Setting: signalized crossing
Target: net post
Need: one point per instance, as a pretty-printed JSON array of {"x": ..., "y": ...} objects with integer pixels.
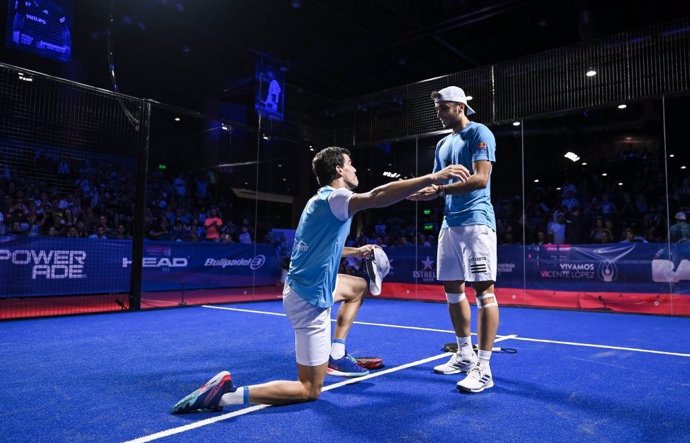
[{"x": 139, "y": 208}]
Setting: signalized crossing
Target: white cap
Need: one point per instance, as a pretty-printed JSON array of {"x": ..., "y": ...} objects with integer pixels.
[
  {"x": 378, "y": 268},
  {"x": 453, "y": 94},
  {"x": 681, "y": 216}
]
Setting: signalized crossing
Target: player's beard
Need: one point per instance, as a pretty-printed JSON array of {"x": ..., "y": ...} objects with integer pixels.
[{"x": 450, "y": 123}]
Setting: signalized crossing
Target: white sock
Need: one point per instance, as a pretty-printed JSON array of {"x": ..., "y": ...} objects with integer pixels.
[
  {"x": 484, "y": 357},
  {"x": 239, "y": 397},
  {"x": 464, "y": 346},
  {"x": 338, "y": 349}
]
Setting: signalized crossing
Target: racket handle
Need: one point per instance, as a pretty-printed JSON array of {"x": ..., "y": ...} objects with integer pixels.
[{"x": 494, "y": 349}]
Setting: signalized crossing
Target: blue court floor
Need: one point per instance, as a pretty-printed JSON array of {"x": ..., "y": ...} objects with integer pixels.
[{"x": 576, "y": 377}]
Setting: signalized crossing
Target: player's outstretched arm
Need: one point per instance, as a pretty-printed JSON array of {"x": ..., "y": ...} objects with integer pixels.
[
  {"x": 393, "y": 192},
  {"x": 478, "y": 180},
  {"x": 424, "y": 194}
]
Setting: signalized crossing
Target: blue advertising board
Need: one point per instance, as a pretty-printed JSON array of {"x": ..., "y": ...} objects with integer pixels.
[
  {"x": 617, "y": 267},
  {"x": 42, "y": 266}
]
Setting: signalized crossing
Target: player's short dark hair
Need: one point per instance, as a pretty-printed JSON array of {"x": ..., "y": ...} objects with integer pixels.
[{"x": 325, "y": 162}]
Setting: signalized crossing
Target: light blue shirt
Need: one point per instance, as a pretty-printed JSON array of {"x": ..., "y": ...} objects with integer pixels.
[
  {"x": 475, "y": 142},
  {"x": 319, "y": 240}
]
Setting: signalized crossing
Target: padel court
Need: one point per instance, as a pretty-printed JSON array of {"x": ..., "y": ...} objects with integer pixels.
[{"x": 576, "y": 377}]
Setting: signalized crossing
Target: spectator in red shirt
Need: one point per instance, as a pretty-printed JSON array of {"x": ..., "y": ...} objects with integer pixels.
[{"x": 212, "y": 225}]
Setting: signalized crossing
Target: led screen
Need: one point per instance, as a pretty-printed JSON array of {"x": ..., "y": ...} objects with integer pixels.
[
  {"x": 270, "y": 91},
  {"x": 41, "y": 27}
]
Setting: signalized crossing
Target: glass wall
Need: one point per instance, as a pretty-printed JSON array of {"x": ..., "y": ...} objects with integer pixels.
[
  {"x": 594, "y": 183},
  {"x": 209, "y": 210},
  {"x": 677, "y": 162},
  {"x": 585, "y": 203},
  {"x": 283, "y": 182},
  {"x": 591, "y": 206}
]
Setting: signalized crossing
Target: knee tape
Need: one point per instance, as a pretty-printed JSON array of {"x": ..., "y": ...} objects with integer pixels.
[
  {"x": 481, "y": 305},
  {"x": 455, "y": 298}
]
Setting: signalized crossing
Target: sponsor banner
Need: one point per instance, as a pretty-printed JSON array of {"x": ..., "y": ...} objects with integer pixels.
[
  {"x": 617, "y": 267},
  {"x": 405, "y": 268},
  {"x": 39, "y": 266}
]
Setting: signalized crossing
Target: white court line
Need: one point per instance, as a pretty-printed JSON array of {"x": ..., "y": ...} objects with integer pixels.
[
  {"x": 209, "y": 421},
  {"x": 590, "y": 345},
  {"x": 333, "y": 320},
  {"x": 398, "y": 368},
  {"x": 498, "y": 337},
  {"x": 251, "y": 311},
  {"x": 196, "y": 424}
]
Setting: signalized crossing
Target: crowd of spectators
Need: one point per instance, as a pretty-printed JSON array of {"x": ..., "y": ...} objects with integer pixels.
[
  {"x": 592, "y": 211},
  {"x": 94, "y": 199},
  {"x": 67, "y": 197}
]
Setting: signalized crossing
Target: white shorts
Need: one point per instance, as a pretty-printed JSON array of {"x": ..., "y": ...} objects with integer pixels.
[
  {"x": 312, "y": 328},
  {"x": 466, "y": 253}
]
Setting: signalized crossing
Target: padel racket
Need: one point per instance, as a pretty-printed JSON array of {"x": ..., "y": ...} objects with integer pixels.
[
  {"x": 453, "y": 347},
  {"x": 369, "y": 362}
]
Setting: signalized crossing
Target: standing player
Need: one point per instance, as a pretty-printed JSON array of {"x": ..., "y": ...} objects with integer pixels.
[
  {"x": 467, "y": 240},
  {"x": 313, "y": 283}
]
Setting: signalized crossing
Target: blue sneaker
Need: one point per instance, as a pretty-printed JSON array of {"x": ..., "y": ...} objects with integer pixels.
[
  {"x": 345, "y": 367},
  {"x": 206, "y": 397}
]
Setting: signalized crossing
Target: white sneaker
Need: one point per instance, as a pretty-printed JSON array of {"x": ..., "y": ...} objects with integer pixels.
[
  {"x": 477, "y": 380},
  {"x": 457, "y": 364}
]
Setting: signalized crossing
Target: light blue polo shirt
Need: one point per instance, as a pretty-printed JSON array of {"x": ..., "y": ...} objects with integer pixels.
[
  {"x": 474, "y": 142},
  {"x": 319, "y": 240}
]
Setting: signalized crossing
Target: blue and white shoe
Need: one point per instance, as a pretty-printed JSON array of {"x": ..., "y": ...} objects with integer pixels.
[
  {"x": 206, "y": 397},
  {"x": 457, "y": 364},
  {"x": 478, "y": 379},
  {"x": 345, "y": 367}
]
